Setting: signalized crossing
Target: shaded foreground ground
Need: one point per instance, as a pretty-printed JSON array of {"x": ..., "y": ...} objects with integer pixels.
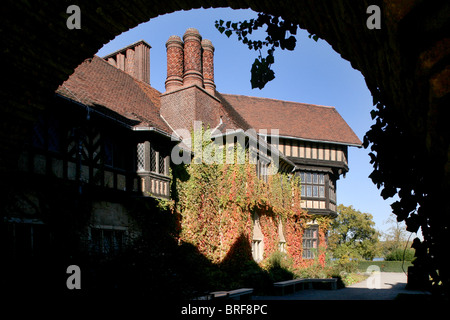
[{"x": 379, "y": 286}]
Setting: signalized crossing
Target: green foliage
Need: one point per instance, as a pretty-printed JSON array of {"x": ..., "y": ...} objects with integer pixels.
[
  {"x": 314, "y": 270},
  {"x": 279, "y": 267},
  {"x": 385, "y": 266},
  {"x": 353, "y": 235},
  {"x": 400, "y": 255}
]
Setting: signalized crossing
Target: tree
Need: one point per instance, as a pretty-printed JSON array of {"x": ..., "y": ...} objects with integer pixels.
[
  {"x": 353, "y": 235},
  {"x": 395, "y": 243}
]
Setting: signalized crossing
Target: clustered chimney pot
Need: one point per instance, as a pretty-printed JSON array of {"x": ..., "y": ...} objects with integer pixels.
[
  {"x": 208, "y": 66},
  {"x": 190, "y": 62},
  {"x": 133, "y": 59},
  {"x": 174, "y": 63},
  {"x": 192, "y": 58}
]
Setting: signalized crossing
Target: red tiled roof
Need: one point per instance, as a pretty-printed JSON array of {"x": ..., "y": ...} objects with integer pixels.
[
  {"x": 98, "y": 84},
  {"x": 293, "y": 119}
]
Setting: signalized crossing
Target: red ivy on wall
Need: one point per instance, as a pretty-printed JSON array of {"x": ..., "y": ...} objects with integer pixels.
[{"x": 218, "y": 201}]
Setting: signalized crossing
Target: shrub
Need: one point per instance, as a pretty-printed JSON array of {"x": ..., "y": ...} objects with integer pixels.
[
  {"x": 279, "y": 267},
  {"x": 400, "y": 255}
]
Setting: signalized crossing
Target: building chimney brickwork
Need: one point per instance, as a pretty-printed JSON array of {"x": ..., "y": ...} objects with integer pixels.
[
  {"x": 192, "y": 58},
  {"x": 208, "y": 66},
  {"x": 190, "y": 88},
  {"x": 190, "y": 62},
  {"x": 175, "y": 58},
  {"x": 134, "y": 60}
]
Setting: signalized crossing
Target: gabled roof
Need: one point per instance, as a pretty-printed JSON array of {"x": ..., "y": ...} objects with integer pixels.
[
  {"x": 97, "y": 84},
  {"x": 293, "y": 119}
]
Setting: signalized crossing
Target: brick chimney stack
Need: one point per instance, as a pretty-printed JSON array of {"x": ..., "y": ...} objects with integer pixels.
[
  {"x": 175, "y": 63},
  {"x": 190, "y": 62},
  {"x": 133, "y": 59},
  {"x": 190, "y": 89},
  {"x": 208, "y": 66},
  {"x": 192, "y": 58}
]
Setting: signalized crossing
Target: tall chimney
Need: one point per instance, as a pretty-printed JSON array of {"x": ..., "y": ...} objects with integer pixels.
[
  {"x": 133, "y": 59},
  {"x": 174, "y": 63},
  {"x": 208, "y": 66},
  {"x": 192, "y": 58}
]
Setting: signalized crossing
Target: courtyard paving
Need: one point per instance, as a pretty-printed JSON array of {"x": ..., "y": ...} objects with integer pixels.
[{"x": 379, "y": 286}]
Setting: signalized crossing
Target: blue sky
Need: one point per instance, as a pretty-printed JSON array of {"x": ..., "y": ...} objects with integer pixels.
[{"x": 312, "y": 73}]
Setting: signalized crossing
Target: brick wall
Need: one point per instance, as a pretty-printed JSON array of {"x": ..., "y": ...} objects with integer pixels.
[{"x": 184, "y": 106}]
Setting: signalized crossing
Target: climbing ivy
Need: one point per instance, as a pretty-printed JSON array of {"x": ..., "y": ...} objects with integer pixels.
[{"x": 216, "y": 204}]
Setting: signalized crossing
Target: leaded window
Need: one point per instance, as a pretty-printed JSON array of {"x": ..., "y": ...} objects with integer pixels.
[
  {"x": 313, "y": 184},
  {"x": 152, "y": 159},
  {"x": 140, "y": 157},
  {"x": 108, "y": 241},
  {"x": 310, "y": 242},
  {"x": 162, "y": 165}
]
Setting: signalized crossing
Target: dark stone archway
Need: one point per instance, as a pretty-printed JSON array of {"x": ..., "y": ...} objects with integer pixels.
[{"x": 405, "y": 65}]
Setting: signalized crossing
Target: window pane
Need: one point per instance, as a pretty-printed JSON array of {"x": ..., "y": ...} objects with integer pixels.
[
  {"x": 53, "y": 137},
  {"x": 108, "y": 152},
  {"x": 96, "y": 237},
  {"x": 321, "y": 178},
  {"x": 303, "y": 191},
  {"x": 152, "y": 159},
  {"x": 315, "y": 178},
  {"x": 161, "y": 163},
  {"x": 140, "y": 156},
  {"x": 315, "y": 191},
  {"x": 308, "y": 177},
  {"x": 38, "y": 137},
  {"x": 308, "y": 191},
  {"x": 321, "y": 192},
  {"x": 302, "y": 176},
  {"x": 307, "y": 233}
]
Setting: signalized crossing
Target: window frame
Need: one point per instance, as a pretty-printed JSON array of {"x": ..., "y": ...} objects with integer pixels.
[
  {"x": 313, "y": 184},
  {"x": 310, "y": 242},
  {"x": 113, "y": 249}
]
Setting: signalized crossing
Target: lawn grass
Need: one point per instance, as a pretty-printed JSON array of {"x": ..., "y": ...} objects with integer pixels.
[{"x": 385, "y": 266}]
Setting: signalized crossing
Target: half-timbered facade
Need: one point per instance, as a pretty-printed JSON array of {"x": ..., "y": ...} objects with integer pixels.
[{"x": 108, "y": 138}]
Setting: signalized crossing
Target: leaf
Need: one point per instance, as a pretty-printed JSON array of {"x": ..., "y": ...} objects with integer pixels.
[
  {"x": 270, "y": 59},
  {"x": 228, "y": 24},
  {"x": 388, "y": 192},
  {"x": 228, "y": 33},
  {"x": 290, "y": 43},
  {"x": 261, "y": 73}
]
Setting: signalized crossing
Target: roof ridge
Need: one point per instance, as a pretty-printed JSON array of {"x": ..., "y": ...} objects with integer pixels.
[{"x": 280, "y": 100}]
